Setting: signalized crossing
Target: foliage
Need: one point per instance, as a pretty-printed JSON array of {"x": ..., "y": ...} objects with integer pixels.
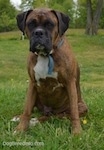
[
  {"x": 76, "y": 11},
  {"x": 101, "y": 25},
  {"x": 80, "y": 20},
  {"x": 7, "y": 16}
]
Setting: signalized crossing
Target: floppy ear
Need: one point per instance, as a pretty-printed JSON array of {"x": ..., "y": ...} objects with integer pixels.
[
  {"x": 63, "y": 21},
  {"x": 21, "y": 20}
]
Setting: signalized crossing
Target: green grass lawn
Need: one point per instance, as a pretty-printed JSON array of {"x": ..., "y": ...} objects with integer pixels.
[{"x": 55, "y": 133}]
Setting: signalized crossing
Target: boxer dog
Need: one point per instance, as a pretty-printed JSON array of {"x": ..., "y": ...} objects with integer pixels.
[{"x": 54, "y": 86}]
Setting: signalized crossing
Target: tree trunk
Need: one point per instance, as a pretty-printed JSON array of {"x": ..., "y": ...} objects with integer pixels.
[
  {"x": 89, "y": 18},
  {"x": 93, "y": 18}
]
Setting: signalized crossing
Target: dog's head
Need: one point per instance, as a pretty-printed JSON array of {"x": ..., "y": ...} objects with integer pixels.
[{"x": 42, "y": 27}]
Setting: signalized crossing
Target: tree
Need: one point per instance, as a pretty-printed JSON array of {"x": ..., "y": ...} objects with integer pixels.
[
  {"x": 7, "y": 16},
  {"x": 80, "y": 14},
  {"x": 28, "y": 4},
  {"x": 93, "y": 16}
]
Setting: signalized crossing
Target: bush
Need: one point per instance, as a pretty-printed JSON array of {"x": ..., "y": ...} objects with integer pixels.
[{"x": 6, "y": 23}]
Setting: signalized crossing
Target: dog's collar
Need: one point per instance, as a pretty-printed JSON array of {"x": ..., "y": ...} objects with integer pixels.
[
  {"x": 50, "y": 65},
  {"x": 58, "y": 44},
  {"x": 51, "y": 61}
]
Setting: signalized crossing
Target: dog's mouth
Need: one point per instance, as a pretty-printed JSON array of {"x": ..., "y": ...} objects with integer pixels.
[
  {"x": 41, "y": 46},
  {"x": 40, "y": 50}
]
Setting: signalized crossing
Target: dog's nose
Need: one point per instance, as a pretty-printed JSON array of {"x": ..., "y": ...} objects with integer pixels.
[{"x": 39, "y": 32}]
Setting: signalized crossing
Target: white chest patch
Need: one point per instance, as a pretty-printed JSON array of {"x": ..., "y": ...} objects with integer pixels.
[{"x": 41, "y": 69}]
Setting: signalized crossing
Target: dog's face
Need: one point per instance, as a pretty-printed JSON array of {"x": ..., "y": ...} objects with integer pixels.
[{"x": 42, "y": 27}]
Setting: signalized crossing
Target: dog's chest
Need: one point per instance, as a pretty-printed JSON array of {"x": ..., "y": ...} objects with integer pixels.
[
  {"x": 44, "y": 78},
  {"x": 44, "y": 69}
]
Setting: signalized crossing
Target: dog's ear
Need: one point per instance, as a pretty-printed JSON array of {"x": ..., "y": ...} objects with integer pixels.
[
  {"x": 63, "y": 21},
  {"x": 21, "y": 20}
]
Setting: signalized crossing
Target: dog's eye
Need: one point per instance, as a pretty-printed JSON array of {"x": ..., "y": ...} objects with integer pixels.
[
  {"x": 49, "y": 25},
  {"x": 32, "y": 24}
]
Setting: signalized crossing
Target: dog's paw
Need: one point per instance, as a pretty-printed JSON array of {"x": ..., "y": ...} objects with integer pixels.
[
  {"x": 76, "y": 131},
  {"x": 15, "y": 119},
  {"x": 33, "y": 121},
  {"x": 22, "y": 127}
]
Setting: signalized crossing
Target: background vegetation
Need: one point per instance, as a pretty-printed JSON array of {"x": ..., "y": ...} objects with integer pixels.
[{"x": 76, "y": 11}]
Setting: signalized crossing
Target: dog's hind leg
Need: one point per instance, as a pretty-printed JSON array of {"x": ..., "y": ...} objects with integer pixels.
[{"x": 82, "y": 107}]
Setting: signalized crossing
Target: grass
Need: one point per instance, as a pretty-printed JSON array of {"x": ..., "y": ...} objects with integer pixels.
[{"x": 55, "y": 133}]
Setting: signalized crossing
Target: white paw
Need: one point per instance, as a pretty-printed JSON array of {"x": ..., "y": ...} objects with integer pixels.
[
  {"x": 33, "y": 121},
  {"x": 15, "y": 119}
]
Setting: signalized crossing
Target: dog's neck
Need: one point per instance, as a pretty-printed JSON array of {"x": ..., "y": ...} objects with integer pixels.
[{"x": 58, "y": 42}]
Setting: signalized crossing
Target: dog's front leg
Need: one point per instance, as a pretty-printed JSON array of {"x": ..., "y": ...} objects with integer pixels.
[
  {"x": 73, "y": 101},
  {"x": 30, "y": 102}
]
